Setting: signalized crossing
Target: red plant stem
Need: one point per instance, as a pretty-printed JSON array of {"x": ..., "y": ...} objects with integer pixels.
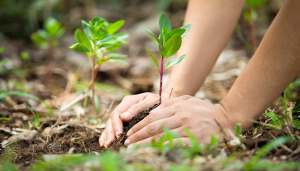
[
  {"x": 48, "y": 63},
  {"x": 161, "y": 72}
]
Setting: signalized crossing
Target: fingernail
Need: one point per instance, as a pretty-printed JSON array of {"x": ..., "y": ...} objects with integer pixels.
[
  {"x": 125, "y": 115},
  {"x": 107, "y": 143},
  {"x": 127, "y": 142},
  {"x": 101, "y": 144},
  {"x": 117, "y": 134},
  {"x": 129, "y": 133}
]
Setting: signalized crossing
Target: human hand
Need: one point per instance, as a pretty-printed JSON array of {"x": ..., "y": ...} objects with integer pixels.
[
  {"x": 178, "y": 114},
  {"x": 129, "y": 107}
]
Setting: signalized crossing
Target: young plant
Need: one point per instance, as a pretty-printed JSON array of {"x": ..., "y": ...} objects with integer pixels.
[
  {"x": 97, "y": 39},
  {"x": 169, "y": 42},
  {"x": 47, "y": 39}
]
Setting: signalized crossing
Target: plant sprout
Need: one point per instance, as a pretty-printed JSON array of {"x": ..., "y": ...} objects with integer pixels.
[
  {"x": 47, "y": 39},
  {"x": 97, "y": 39},
  {"x": 169, "y": 42}
]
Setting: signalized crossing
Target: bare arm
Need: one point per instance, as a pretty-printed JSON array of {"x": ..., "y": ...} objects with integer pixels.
[
  {"x": 212, "y": 21},
  {"x": 274, "y": 65}
]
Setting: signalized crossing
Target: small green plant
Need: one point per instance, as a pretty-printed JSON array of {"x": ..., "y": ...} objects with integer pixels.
[
  {"x": 97, "y": 39},
  {"x": 169, "y": 42},
  {"x": 36, "y": 121},
  {"x": 250, "y": 14},
  {"x": 47, "y": 39}
]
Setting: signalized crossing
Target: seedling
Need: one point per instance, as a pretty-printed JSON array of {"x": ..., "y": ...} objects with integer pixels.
[
  {"x": 169, "y": 42},
  {"x": 47, "y": 39},
  {"x": 97, "y": 39}
]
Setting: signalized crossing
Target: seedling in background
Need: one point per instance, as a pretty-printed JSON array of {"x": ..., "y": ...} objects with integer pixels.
[
  {"x": 97, "y": 39},
  {"x": 169, "y": 42},
  {"x": 47, "y": 39}
]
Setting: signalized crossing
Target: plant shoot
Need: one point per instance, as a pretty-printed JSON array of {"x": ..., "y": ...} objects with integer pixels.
[
  {"x": 97, "y": 39},
  {"x": 169, "y": 42}
]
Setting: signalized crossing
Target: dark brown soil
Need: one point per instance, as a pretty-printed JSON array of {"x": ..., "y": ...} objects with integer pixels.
[{"x": 118, "y": 143}]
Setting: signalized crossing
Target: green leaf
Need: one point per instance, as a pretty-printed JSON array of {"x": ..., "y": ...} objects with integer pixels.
[
  {"x": 112, "y": 28},
  {"x": 174, "y": 61},
  {"x": 153, "y": 58},
  {"x": 5, "y": 119},
  {"x": 238, "y": 129},
  {"x": 3, "y": 62},
  {"x": 120, "y": 61},
  {"x": 268, "y": 147},
  {"x": 97, "y": 22},
  {"x": 40, "y": 38},
  {"x": 274, "y": 118},
  {"x": 83, "y": 39},
  {"x": 165, "y": 31},
  {"x": 24, "y": 55},
  {"x": 187, "y": 29},
  {"x": 164, "y": 22},
  {"x": 85, "y": 24},
  {"x": 176, "y": 31},
  {"x": 172, "y": 46},
  {"x": 115, "y": 55},
  {"x": 80, "y": 47},
  {"x": 36, "y": 122},
  {"x": 153, "y": 35}
]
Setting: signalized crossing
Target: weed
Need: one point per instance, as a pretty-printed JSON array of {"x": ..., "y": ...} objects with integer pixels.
[
  {"x": 169, "y": 42},
  {"x": 97, "y": 39}
]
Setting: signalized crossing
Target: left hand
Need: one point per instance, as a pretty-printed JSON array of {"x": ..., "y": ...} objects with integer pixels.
[{"x": 178, "y": 114}]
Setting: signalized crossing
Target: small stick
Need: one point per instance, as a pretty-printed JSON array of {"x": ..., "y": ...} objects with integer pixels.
[
  {"x": 80, "y": 97},
  {"x": 171, "y": 93}
]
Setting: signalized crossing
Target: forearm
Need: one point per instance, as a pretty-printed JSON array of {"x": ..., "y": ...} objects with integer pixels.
[
  {"x": 274, "y": 65},
  {"x": 212, "y": 24}
]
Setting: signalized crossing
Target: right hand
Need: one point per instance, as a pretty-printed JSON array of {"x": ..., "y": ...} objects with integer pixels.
[{"x": 129, "y": 107}]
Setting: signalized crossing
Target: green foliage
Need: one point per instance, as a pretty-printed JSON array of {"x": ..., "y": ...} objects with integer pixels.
[
  {"x": 253, "y": 5},
  {"x": 169, "y": 41},
  {"x": 99, "y": 37},
  {"x": 274, "y": 118},
  {"x": 48, "y": 36},
  {"x": 168, "y": 137},
  {"x": 36, "y": 121},
  {"x": 5, "y": 119},
  {"x": 24, "y": 55},
  {"x": 268, "y": 147}
]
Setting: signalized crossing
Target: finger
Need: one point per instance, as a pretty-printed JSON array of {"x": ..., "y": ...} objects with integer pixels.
[
  {"x": 170, "y": 102},
  {"x": 152, "y": 117},
  {"x": 152, "y": 129},
  {"x": 109, "y": 134}
]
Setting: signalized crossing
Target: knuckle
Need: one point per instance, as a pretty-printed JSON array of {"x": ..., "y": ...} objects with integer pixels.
[
  {"x": 135, "y": 108},
  {"x": 152, "y": 129}
]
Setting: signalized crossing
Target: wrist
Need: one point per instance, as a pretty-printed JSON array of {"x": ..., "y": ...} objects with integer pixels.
[{"x": 234, "y": 117}]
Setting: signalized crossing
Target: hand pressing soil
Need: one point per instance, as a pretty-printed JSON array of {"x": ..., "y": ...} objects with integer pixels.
[{"x": 118, "y": 143}]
